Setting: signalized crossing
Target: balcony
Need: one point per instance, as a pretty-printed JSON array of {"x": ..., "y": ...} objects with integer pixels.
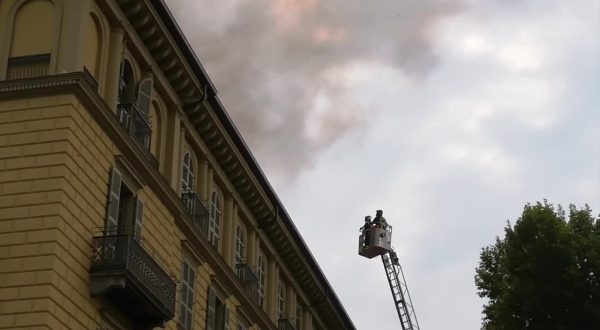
[
  {"x": 248, "y": 279},
  {"x": 285, "y": 324},
  {"x": 196, "y": 209},
  {"x": 137, "y": 123},
  {"x": 123, "y": 273}
]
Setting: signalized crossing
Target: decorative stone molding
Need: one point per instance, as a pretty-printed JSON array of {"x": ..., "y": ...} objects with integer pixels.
[{"x": 164, "y": 40}]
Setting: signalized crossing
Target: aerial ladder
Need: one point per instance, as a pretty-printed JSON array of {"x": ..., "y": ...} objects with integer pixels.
[{"x": 376, "y": 240}]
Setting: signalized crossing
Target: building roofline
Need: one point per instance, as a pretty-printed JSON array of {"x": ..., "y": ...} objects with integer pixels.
[{"x": 201, "y": 74}]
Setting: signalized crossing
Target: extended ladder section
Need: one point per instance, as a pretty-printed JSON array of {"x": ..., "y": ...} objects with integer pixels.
[
  {"x": 376, "y": 240},
  {"x": 408, "y": 318}
]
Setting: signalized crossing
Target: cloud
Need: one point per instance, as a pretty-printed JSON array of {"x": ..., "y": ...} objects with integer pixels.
[
  {"x": 508, "y": 115},
  {"x": 279, "y": 65},
  {"x": 449, "y": 116}
]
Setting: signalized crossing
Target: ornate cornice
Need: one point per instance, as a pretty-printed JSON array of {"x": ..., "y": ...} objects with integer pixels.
[{"x": 160, "y": 34}]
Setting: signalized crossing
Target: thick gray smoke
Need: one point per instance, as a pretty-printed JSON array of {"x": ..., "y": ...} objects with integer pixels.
[{"x": 269, "y": 59}]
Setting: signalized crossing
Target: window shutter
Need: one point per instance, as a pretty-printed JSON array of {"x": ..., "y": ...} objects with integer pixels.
[
  {"x": 114, "y": 194},
  {"x": 144, "y": 92},
  {"x": 188, "y": 279},
  {"x": 211, "y": 319},
  {"x": 191, "y": 284},
  {"x": 139, "y": 219},
  {"x": 226, "y": 319},
  {"x": 183, "y": 297}
]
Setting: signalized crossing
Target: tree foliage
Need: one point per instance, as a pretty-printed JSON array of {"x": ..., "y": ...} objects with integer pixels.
[{"x": 544, "y": 273}]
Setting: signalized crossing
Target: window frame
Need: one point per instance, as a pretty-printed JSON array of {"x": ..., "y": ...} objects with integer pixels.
[
  {"x": 189, "y": 168},
  {"x": 216, "y": 319},
  {"x": 123, "y": 216},
  {"x": 261, "y": 274},
  {"x": 186, "y": 307},
  {"x": 281, "y": 300},
  {"x": 214, "y": 219},
  {"x": 241, "y": 244}
]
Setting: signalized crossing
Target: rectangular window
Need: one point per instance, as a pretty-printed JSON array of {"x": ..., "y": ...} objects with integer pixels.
[
  {"x": 218, "y": 313},
  {"x": 186, "y": 301},
  {"x": 125, "y": 211}
]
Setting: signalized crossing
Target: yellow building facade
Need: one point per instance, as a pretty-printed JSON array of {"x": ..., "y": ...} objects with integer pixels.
[{"x": 128, "y": 199}]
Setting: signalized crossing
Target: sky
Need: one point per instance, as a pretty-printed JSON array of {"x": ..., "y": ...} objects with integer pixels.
[{"x": 449, "y": 115}]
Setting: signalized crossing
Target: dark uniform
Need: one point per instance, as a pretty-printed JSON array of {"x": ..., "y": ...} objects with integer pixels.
[
  {"x": 379, "y": 220},
  {"x": 365, "y": 229}
]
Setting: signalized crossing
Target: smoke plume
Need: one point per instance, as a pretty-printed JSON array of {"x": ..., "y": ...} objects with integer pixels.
[{"x": 272, "y": 61}]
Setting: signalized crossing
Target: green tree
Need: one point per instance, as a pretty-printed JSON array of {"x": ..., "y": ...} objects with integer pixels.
[{"x": 544, "y": 273}]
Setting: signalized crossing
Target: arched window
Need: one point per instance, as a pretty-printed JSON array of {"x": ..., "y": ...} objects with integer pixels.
[
  {"x": 32, "y": 40},
  {"x": 133, "y": 112},
  {"x": 214, "y": 220},
  {"x": 187, "y": 173},
  {"x": 262, "y": 278},
  {"x": 240, "y": 244}
]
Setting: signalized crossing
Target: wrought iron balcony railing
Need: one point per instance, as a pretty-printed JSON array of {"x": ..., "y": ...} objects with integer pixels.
[
  {"x": 196, "y": 209},
  {"x": 248, "y": 278},
  {"x": 135, "y": 121},
  {"x": 129, "y": 277},
  {"x": 285, "y": 324},
  {"x": 138, "y": 125}
]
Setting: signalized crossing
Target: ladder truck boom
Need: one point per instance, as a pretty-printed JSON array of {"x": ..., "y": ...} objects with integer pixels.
[
  {"x": 376, "y": 240},
  {"x": 402, "y": 300}
]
